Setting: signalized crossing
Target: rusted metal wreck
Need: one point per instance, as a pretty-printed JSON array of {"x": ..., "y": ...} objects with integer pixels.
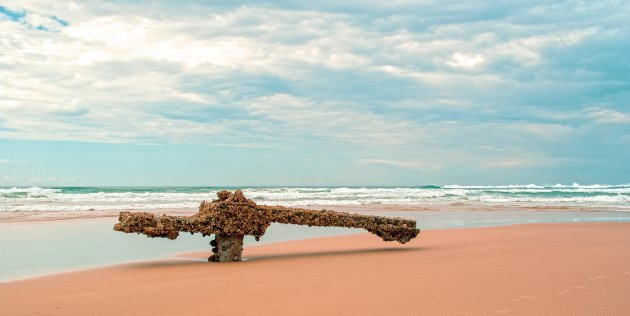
[{"x": 232, "y": 216}]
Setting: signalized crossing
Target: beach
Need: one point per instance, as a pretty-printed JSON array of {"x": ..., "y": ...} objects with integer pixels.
[
  {"x": 559, "y": 269},
  {"x": 481, "y": 251},
  {"x": 314, "y": 158}
]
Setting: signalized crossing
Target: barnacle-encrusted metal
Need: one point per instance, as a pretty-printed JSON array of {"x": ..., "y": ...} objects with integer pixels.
[{"x": 232, "y": 216}]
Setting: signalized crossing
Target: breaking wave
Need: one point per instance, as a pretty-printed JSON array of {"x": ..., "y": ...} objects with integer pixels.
[{"x": 136, "y": 198}]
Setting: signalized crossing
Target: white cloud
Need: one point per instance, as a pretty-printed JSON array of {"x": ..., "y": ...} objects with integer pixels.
[
  {"x": 464, "y": 60},
  {"x": 522, "y": 161},
  {"x": 608, "y": 116},
  {"x": 407, "y": 76},
  {"x": 544, "y": 130},
  {"x": 331, "y": 119},
  {"x": 529, "y": 49},
  {"x": 9, "y": 161},
  {"x": 401, "y": 164}
]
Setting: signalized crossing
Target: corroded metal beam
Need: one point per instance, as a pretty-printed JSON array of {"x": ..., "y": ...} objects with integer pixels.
[{"x": 232, "y": 216}]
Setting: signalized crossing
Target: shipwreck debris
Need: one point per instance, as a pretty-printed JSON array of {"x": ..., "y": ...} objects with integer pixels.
[{"x": 232, "y": 216}]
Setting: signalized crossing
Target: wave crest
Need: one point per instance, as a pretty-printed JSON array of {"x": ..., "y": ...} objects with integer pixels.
[{"x": 69, "y": 199}]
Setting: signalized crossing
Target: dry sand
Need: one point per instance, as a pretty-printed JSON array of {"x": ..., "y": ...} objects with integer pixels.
[{"x": 545, "y": 269}]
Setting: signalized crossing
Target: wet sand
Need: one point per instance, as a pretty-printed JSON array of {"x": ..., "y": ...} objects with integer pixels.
[{"x": 550, "y": 269}]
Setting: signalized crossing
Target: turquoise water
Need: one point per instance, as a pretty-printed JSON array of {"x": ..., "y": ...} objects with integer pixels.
[
  {"x": 35, "y": 248},
  {"x": 139, "y": 198}
]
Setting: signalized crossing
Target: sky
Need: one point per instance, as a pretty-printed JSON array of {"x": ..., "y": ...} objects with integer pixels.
[{"x": 308, "y": 93}]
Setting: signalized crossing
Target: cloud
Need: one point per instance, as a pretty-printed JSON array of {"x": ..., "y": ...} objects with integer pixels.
[
  {"x": 8, "y": 161},
  {"x": 545, "y": 130},
  {"x": 407, "y": 77},
  {"x": 608, "y": 116},
  {"x": 525, "y": 161},
  {"x": 291, "y": 115},
  {"x": 401, "y": 164},
  {"x": 464, "y": 60}
]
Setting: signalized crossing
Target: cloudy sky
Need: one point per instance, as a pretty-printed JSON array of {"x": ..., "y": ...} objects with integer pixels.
[{"x": 289, "y": 93}]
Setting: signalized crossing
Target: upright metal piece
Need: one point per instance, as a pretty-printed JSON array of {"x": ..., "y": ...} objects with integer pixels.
[{"x": 226, "y": 248}]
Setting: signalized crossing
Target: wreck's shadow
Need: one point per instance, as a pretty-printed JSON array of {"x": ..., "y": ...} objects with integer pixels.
[
  {"x": 169, "y": 262},
  {"x": 178, "y": 261},
  {"x": 330, "y": 253}
]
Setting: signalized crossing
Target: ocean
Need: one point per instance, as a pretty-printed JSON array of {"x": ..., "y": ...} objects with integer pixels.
[{"x": 68, "y": 199}]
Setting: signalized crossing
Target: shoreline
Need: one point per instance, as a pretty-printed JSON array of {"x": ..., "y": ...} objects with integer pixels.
[
  {"x": 72, "y": 240},
  {"x": 568, "y": 268},
  {"x": 36, "y": 216}
]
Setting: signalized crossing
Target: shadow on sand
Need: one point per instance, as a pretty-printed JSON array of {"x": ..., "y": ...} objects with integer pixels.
[
  {"x": 181, "y": 261},
  {"x": 331, "y": 253}
]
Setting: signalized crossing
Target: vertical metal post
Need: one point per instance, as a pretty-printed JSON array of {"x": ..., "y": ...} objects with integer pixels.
[{"x": 226, "y": 248}]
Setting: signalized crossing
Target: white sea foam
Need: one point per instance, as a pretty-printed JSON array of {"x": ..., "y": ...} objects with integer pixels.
[
  {"x": 78, "y": 199},
  {"x": 511, "y": 186},
  {"x": 32, "y": 191}
]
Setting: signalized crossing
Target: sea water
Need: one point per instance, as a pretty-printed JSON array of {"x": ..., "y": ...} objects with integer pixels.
[
  {"x": 16, "y": 199},
  {"x": 37, "y": 248}
]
